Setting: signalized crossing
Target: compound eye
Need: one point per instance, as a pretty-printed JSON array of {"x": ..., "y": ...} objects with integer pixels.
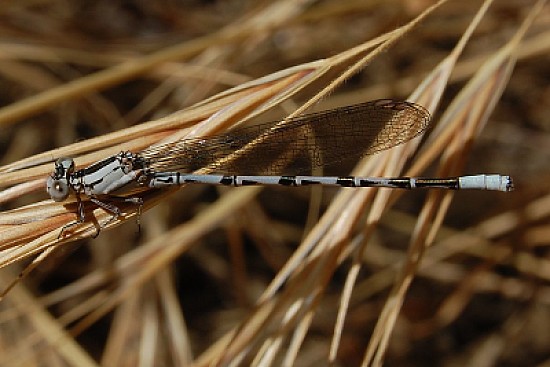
[{"x": 57, "y": 189}]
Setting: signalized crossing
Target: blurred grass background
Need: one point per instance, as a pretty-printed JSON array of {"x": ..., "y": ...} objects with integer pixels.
[{"x": 449, "y": 317}]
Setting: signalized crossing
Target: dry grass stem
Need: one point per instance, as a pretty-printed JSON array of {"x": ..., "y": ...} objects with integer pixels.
[{"x": 269, "y": 276}]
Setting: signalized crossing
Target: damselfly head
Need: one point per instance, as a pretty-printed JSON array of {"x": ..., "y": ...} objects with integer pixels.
[{"x": 57, "y": 184}]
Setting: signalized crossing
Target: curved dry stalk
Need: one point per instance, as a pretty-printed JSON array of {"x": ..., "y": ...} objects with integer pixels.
[
  {"x": 32, "y": 221},
  {"x": 288, "y": 307}
]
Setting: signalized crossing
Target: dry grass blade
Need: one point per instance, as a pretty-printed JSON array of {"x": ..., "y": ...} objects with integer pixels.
[
  {"x": 49, "y": 217},
  {"x": 464, "y": 119},
  {"x": 229, "y": 277}
]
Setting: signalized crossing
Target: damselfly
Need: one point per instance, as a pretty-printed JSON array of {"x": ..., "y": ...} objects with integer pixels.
[{"x": 257, "y": 155}]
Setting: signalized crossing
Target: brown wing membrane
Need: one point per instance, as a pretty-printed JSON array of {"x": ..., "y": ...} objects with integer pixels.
[{"x": 297, "y": 144}]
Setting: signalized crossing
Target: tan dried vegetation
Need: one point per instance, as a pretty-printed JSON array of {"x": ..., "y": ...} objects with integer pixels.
[{"x": 278, "y": 276}]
